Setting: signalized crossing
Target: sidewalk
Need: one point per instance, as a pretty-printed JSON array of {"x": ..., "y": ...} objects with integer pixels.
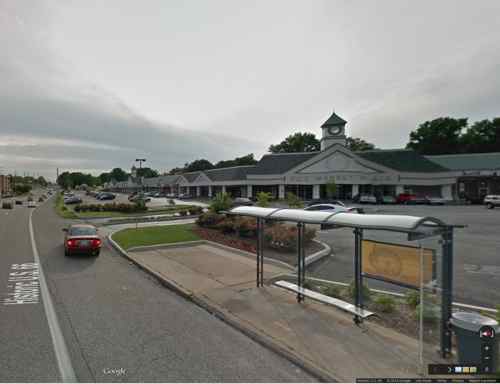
[{"x": 320, "y": 338}]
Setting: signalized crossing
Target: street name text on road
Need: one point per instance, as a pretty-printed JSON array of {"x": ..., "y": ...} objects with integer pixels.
[{"x": 24, "y": 287}]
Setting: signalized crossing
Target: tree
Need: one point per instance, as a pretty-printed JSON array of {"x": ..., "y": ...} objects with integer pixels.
[
  {"x": 244, "y": 160},
  {"x": 41, "y": 181},
  {"x": 118, "y": 174},
  {"x": 146, "y": 172},
  {"x": 298, "y": 142},
  {"x": 438, "y": 136},
  {"x": 104, "y": 177},
  {"x": 263, "y": 199},
  {"x": 482, "y": 136},
  {"x": 357, "y": 144},
  {"x": 198, "y": 165},
  {"x": 331, "y": 189}
]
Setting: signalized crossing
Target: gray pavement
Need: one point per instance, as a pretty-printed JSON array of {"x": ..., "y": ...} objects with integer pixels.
[
  {"x": 119, "y": 324},
  {"x": 477, "y": 261},
  {"x": 26, "y": 352}
]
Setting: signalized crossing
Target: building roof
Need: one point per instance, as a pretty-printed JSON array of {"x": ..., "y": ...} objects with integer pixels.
[
  {"x": 229, "y": 173},
  {"x": 278, "y": 163},
  {"x": 334, "y": 120},
  {"x": 403, "y": 160},
  {"x": 191, "y": 176},
  {"x": 468, "y": 161}
]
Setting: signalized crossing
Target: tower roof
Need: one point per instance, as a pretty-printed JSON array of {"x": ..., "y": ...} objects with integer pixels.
[{"x": 334, "y": 120}]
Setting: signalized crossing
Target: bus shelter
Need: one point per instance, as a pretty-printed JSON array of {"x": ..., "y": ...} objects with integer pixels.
[{"x": 414, "y": 229}]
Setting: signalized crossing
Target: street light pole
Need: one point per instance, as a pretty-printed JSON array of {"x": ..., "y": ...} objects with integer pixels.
[{"x": 140, "y": 168}]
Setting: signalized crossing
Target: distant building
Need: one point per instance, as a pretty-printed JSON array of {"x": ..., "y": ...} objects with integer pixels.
[
  {"x": 5, "y": 187},
  {"x": 378, "y": 171}
]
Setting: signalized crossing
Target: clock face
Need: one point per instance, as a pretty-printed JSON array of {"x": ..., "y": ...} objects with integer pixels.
[{"x": 335, "y": 130}]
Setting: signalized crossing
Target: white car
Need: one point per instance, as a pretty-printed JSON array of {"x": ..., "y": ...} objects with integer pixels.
[
  {"x": 367, "y": 199},
  {"x": 492, "y": 201},
  {"x": 333, "y": 208},
  {"x": 31, "y": 204}
]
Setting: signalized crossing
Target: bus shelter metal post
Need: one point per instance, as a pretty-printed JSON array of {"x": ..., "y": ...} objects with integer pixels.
[
  {"x": 447, "y": 291},
  {"x": 358, "y": 278},
  {"x": 261, "y": 251},
  {"x": 260, "y": 255},
  {"x": 300, "y": 261}
]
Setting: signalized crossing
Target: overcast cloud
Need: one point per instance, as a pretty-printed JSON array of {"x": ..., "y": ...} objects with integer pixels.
[{"x": 92, "y": 85}]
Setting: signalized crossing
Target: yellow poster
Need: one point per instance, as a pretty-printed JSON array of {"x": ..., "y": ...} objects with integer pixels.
[{"x": 395, "y": 262}]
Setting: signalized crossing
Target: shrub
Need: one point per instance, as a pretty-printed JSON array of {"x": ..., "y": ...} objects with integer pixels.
[
  {"x": 281, "y": 237},
  {"x": 195, "y": 210},
  {"x": 331, "y": 290},
  {"x": 308, "y": 284},
  {"x": 221, "y": 202},
  {"x": 412, "y": 298},
  {"x": 384, "y": 303},
  {"x": 366, "y": 292},
  {"x": 183, "y": 212},
  {"x": 209, "y": 219},
  {"x": 263, "y": 199},
  {"x": 226, "y": 226},
  {"x": 293, "y": 200},
  {"x": 246, "y": 226},
  {"x": 498, "y": 313},
  {"x": 171, "y": 202},
  {"x": 284, "y": 237},
  {"x": 431, "y": 313}
]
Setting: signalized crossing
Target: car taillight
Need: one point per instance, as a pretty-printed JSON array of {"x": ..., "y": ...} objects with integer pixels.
[
  {"x": 96, "y": 242},
  {"x": 70, "y": 243}
]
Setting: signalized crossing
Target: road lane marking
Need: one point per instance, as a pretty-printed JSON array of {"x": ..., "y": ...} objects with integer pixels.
[
  {"x": 61, "y": 351},
  {"x": 24, "y": 284}
]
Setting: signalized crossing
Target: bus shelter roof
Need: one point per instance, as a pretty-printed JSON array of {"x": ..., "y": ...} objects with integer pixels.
[{"x": 397, "y": 223}]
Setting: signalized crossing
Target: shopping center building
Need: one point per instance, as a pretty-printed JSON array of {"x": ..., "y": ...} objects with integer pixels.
[{"x": 383, "y": 172}]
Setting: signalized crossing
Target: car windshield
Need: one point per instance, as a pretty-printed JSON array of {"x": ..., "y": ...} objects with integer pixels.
[{"x": 82, "y": 231}]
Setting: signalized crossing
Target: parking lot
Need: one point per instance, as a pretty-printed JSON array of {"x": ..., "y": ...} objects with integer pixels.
[
  {"x": 156, "y": 202},
  {"x": 476, "y": 250}
]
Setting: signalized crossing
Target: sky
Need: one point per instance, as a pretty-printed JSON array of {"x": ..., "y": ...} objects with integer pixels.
[{"x": 91, "y": 85}]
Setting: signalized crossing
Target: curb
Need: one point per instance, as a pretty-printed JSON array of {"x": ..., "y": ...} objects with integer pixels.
[
  {"x": 326, "y": 251},
  {"x": 133, "y": 221},
  {"x": 256, "y": 335}
]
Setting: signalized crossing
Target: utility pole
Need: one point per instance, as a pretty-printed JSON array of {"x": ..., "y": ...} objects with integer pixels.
[{"x": 140, "y": 173}]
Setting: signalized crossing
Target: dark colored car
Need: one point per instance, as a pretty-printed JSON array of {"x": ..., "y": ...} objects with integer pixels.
[
  {"x": 105, "y": 196},
  {"x": 72, "y": 200},
  {"x": 82, "y": 239},
  {"x": 238, "y": 201}
]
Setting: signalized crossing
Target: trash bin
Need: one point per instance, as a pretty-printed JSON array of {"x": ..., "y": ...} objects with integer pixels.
[{"x": 477, "y": 340}]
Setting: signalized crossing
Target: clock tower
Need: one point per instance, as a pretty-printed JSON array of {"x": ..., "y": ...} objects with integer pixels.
[{"x": 333, "y": 132}]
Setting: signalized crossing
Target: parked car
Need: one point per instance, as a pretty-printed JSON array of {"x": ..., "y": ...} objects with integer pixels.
[
  {"x": 184, "y": 196},
  {"x": 31, "y": 204},
  {"x": 387, "y": 199},
  {"x": 72, "y": 200},
  {"x": 242, "y": 201},
  {"x": 19, "y": 202},
  {"x": 409, "y": 198},
  {"x": 325, "y": 201},
  {"x": 334, "y": 208},
  {"x": 367, "y": 199},
  {"x": 82, "y": 238},
  {"x": 105, "y": 196},
  {"x": 138, "y": 197},
  {"x": 492, "y": 201},
  {"x": 431, "y": 200},
  {"x": 7, "y": 205}
]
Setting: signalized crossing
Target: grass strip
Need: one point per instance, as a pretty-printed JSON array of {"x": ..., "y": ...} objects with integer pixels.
[{"x": 165, "y": 234}]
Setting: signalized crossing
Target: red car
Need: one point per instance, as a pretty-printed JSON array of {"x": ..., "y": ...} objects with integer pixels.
[
  {"x": 82, "y": 239},
  {"x": 408, "y": 198}
]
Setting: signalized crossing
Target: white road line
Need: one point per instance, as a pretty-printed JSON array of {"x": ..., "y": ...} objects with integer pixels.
[{"x": 61, "y": 351}]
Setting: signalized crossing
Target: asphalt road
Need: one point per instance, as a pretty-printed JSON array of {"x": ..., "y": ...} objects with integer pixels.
[
  {"x": 476, "y": 250},
  {"x": 118, "y": 323}
]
